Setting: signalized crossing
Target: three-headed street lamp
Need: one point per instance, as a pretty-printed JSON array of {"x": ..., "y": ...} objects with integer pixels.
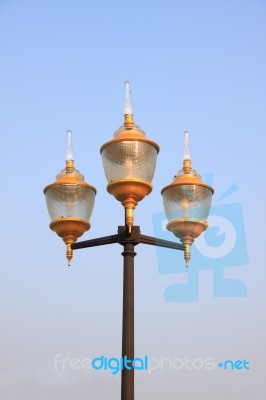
[{"x": 129, "y": 162}]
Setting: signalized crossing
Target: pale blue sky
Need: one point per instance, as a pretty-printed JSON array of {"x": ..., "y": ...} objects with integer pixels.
[{"x": 193, "y": 65}]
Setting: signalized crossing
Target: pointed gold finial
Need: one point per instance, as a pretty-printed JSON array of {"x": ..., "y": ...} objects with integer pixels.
[
  {"x": 187, "y": 240},
  {"x": 187, "y": 253},
  {"x": 69, "y": 254}
]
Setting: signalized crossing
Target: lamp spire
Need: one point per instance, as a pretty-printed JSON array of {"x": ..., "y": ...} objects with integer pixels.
[
  {"x": 186, "y": 154},
  {"x": 69, "y": 156},
  {"x": 128, "y": 107}
]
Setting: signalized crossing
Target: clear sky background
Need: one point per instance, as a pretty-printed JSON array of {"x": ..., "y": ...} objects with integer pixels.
[{"x": 193, "y": 65}]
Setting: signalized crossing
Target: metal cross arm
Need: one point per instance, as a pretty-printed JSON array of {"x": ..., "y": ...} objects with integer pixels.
[{"x": 123, "y": 237}]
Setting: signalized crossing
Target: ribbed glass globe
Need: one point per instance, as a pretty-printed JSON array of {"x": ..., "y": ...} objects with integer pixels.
[
  {"x": 70, "y": 201},
  {"x": 129, "y": 159},
  {"x": 187, "y": 201}
]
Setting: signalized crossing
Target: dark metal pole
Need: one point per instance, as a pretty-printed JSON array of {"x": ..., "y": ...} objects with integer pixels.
[
  {"x": 127, "y": 384},
  {"x": 129, "y": 241}
]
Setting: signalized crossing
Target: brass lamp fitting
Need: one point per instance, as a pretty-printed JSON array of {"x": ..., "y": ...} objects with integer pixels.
[
  {"x": 186, "y": 228},
  {"x": 69, "y": 228},
  {"x": 187, "y": 166},
  {"x": 129, "y": 191}
]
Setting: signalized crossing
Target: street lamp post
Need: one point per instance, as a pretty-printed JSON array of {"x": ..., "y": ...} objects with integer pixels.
[{"x": 129, "y": 161}]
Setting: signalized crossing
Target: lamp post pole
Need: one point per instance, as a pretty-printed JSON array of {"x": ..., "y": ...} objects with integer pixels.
[
  {"x": 128, "y": 241},
  {"x": 127, "y": 379}
]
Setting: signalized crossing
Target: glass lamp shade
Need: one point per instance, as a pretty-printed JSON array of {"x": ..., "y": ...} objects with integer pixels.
[
  {"x": 70, "y": 200},
  {"x": 129, "y": 159},
  {"x": 187, "y": 201},
  {"x": 129, "y": 162}
]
